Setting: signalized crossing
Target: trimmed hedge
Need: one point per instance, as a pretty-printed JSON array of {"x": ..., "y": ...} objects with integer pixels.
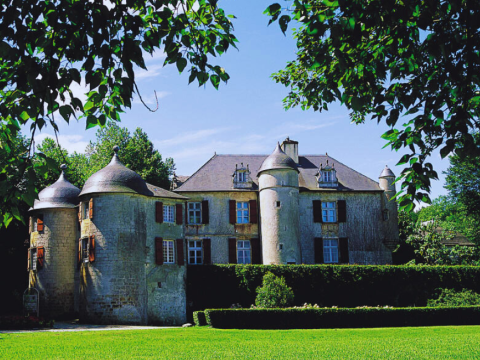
[
  {"x": 341, "y": 317},
  {"x": 199, "y": 318},
  {"x": 328, "y": 285}
]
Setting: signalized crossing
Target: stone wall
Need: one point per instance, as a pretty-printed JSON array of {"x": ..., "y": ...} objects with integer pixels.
[
  {"x": 112, "y": 289},
  {"x": 219, "y": 229},
  {"x": 55, "y": 281},
  {"x": 364, "y": 227}
]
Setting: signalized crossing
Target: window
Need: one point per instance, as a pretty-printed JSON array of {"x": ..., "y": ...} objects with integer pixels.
[
  {"x": 330, "y": 251},
  {"x": 385, "y": 215},
  {"x": 35, "y": 228},
  {"x": 329, "y": 211},
  {"x": 242, "y": 212},
  {"x": 327, "y": 176},
  {"x": 244, "y": 252},
  {"x": 241, "y": 177},
  {"x": 195, "y": 252},
  {"x": 85, "y": 250},
  {"x": 85, "y": 210},
  {"x": 277, "y": 204},
  {"x": 33, "y": 258},
  {"x": 194, "y": 213},
  {"x": 168, "y": 214},
  {"x": 168, "y": 252}
]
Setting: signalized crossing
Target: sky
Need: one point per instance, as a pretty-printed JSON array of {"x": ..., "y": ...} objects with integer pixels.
[{"x": 245, "y": 116}]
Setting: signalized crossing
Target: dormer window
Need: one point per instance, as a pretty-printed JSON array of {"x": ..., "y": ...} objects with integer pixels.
[
  {"x": 241, "y": 177},
  {"x": 327, "y": 176}
]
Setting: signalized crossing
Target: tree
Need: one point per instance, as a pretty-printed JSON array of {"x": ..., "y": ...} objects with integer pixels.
[
  {"x": 47, "y": 46},
  {"x": 386, "y": 59}
]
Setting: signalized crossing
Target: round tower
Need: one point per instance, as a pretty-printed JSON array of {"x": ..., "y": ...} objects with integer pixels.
[
  {"x": 390, "y": 209},
  {"x": 112, "y": 246},
  {"x": 52, "y": 253},
  {"x": 279, "y": 204}
]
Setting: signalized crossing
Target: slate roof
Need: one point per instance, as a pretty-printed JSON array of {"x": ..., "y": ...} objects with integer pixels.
[
  {"x": 216, "y": 174},
  {"x": 159, "y": 192}
]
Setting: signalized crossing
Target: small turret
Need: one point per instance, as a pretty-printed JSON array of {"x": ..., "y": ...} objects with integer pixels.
[{"x": 386, "y": 181}]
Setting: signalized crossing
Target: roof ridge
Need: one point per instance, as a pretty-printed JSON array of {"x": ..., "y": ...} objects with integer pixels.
[{"x": 200, "y": 168}]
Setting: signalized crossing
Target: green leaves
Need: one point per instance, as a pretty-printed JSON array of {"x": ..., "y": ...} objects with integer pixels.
[{"x": 373, "y": 58}]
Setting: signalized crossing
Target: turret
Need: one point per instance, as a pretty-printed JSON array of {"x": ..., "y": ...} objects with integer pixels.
[
  {"x": 52, "y": 252},
  {"x": 279, "y": 204},
  {"x": 386, "y": 181}
]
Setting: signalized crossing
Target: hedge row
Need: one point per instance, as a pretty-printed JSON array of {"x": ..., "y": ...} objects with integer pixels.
[
  {"x": 19, "y": 322},
  {"x": 328, "y": 285},
  {"x": 340, "y": 318},
  {"x": 199, "y": 318}
]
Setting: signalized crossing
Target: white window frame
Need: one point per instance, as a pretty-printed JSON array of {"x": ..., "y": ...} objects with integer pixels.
[
  {"x": 242, "y": 212},
  {"x": 327, "y": 176},
  {"x": 85, "y": 250},
  {"x": 34, "y": 224},
  {"x": 169, "y": 214},
  {"x": 168, "y": 252},
  {"x": 244, "y": 252},
  {"x": 33, "y": 259},
  {"x": 241, "y": 176},
  {"x": 194, "y": 213},
  {"x": 329, "y": 211},
  {"x": 330, "y": 251},
  {"x": 196, "y": 247}
]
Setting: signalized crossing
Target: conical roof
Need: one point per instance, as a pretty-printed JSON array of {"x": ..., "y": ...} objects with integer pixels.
[
  {"x": 116, "y": 178},
  {"x": 278, "y": 160},
  {"x": 61, "y": 194},
  {"x": 387, "y": 172}
]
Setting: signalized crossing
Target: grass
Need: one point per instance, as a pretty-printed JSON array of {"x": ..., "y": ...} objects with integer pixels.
[{"x": 449, "y": 342}]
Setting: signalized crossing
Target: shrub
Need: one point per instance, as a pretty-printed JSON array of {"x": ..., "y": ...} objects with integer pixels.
[
  {"x": 199, "y": 318},
  {"x": 274, "y": 292},
  {"x": 340, "y": 317},
  {"x": 450, "y": 297},
  {"x": 24, "y": 322}
]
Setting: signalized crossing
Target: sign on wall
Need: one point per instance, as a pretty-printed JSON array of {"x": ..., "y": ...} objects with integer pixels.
[{"x": 30, "y": 302}]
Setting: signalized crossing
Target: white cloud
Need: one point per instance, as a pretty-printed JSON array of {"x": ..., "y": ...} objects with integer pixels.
[
  {"x": 293, "y": 128},
  {"x": 150, "y": 99},
  {"x": 152, "y": 71},
  {"x": 189, "y": 137},
  {"x": 71, "y": 143}
]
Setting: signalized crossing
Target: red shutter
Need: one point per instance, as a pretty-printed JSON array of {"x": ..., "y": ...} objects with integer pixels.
[
  {"x": 232, "y": 251},
  {"x": 344, "y": 255},
  {"x": 342, "y": 211},
  {"x": 318, "y": 244},
  {"x": 178, "y": 214},
  {"x": 28, "y": 256},
  {"x": 253, "y": 212},
  {"x": 317, "y": 211},
  {"x": 79, "y": 259},
  {"x": 180, "y": 256},
  {"x": 40, "y": 257},
  {"x": 30, "y": 225},
  {"x": 256, "y": 251},
  {"x": 232, "y": 211},
  {"x": 207, "y": 252},
  {"x": 205, "y": 213},
  {"x": 159, "y": 251},
  {"x": 91, "y": 249},
  {"x": 40, "y": 223},
  {"x": 159, "y": 212},
  {"x": 90, "y": 209}
]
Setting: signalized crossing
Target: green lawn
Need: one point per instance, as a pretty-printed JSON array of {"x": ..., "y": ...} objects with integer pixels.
[{"x": 452, "y": 342}]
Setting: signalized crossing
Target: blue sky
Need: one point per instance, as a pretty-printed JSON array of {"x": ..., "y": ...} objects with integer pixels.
[{"x": 246, "y": 116}]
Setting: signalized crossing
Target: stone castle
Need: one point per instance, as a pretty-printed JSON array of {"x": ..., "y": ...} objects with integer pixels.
[{"x": 117, "y": 251}]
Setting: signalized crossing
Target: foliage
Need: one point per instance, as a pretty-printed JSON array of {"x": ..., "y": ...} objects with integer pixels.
[
  {"x": 199, "y": 318},
  {"x": 418, "y": 59},
  {"x": 47, "y": 48},
  {"x": 428, "y": 243},
  {"x": 274, "y": 292},
  {"x": 450, "y": 297},
  {"x": 328, "y": 285},
  {"x": 340, "y": 318},
  {"x": 454, "y": 342}
]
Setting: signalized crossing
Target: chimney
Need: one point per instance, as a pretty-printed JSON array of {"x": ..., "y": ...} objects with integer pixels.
[{"x": 290, "y": 147}]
